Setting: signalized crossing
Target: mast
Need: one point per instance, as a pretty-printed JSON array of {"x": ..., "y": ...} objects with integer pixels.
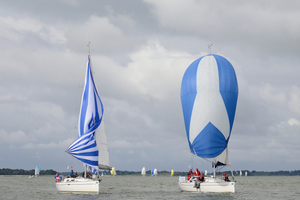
[
  {"x": 209, "y": 48},
  {"x": 214, "y": 170},
  {"x": 88, "y": 48}
]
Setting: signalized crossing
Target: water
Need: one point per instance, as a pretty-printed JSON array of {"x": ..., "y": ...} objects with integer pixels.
[{"x": 138, "y": 187}]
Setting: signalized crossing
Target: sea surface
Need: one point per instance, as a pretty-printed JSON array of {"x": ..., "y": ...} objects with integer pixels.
[{"x": 160, "y": 187}]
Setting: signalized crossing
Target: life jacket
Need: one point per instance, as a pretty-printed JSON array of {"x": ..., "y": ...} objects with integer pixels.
[
  {"x": 57, "y": 179},
  {"x": 202, "y": 177},
  {"x": 189, "y": 177},
  {"x": 197, "y": 173}
]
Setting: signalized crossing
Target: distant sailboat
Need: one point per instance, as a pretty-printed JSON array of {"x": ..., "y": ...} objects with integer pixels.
[
  {"x": 155, "y": 173},
  {"x": 113, "y": 172},
  {"x": 37, "y": 171},
  {"x": 152, "y": 172},
  {"x": 241, "y": 174},
  {"x": 172, "y": 172},
  {"x": 246, "y": 173},
  {"x": 143, "y": 172},
  {"x": 91, "y": 145},
  {"x": 209, "y": 93}
]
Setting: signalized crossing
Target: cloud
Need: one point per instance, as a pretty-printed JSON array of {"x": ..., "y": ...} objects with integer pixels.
[
  {"x": 53, "y": 145},
  {"x": 269, "y": 94},
  {"x": 16, "y": 29},
  {"x": 293, "y": 104},
  {"x": 139, "y": 52},
  {"x": 123, "y": 144},
  {"x": 16, "y": 137},
  {"x": 293, "y": 122},
  {"x": 104, "y": 36},
  {"x": 216, "y": 20}
]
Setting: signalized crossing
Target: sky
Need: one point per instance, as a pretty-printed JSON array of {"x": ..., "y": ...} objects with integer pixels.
[{"x": 139, "y": 53}]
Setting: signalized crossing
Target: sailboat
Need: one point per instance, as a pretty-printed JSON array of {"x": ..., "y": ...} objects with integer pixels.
[
  {"x": 246, "y": 173},
  {"x": 155, "y": 172},
  {"x": 241, "y": 173},
  {"x": 91, "y": 145},
  {"x": 113, "y": 172},
  {"x": 143, "y": 172},
  {"x": 37, "y": 171},
  {"x": 209, "y": 93},
  {"x": 172, "y": 172}
]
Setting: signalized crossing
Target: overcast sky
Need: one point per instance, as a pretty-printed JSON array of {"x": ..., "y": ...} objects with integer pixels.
[{"x": 139, "y": 52}]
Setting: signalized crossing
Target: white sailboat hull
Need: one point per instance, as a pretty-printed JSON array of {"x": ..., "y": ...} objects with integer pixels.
[
  {"x": 78, "y": 185},
  {"x": 209, "y": 185}
]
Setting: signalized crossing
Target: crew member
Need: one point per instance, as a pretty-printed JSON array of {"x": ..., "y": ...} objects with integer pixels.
[
  {"x": 201, "y": 177},
  {"x": 58, "y": 178},
  {"x": 197, "y": 172},
  {"x": 190, "y": 174}
]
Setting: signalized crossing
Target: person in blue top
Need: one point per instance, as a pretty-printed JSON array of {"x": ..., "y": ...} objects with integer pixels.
[
  {"x": 58, "y": 178},
  {"x": 71, "y": 173}
]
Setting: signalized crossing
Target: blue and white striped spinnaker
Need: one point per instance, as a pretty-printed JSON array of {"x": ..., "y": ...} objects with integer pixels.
[
  {"x": 209, "y": 93},
  {"x": 84, "y": 148}
]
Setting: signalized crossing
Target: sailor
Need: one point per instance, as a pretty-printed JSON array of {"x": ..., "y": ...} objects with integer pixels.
[
  {"x": 227, "y": 179},
  {"x": 224, "y": 176},
  {"x": 197, "y": 172},
  {"x": 197, "y": 176},
  {"x": 201, "y": 177},
  {"x": 58, "y": 178},
  {"x": 190, "y": 173},
  {"x": 71, "y": 173}
]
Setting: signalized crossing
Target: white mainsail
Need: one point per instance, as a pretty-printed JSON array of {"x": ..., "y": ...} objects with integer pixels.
[
  {"x": 143, "y": 172},
  {"x": 37, "y": 171},
  {"x": 103, "y": 158},
  {"x": 155, "y": 172}
]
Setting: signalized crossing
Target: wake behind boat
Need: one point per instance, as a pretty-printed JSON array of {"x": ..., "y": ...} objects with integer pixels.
[
  {"x": 209, "y": 93},
  {"x": 91, "y": 145}
]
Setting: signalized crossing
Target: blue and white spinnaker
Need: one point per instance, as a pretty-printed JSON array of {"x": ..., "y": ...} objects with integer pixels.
[
  {"x": 209, "y": 94},
  {"x": 84, "y": 148}
]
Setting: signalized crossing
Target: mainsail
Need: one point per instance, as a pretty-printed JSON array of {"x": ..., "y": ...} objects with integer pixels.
[
  {"x": 37, "y": 171},
  {"x": 86, "y": 147},
  {"x": 143, "y": 172},
  {"x": 209, "y": 93}
]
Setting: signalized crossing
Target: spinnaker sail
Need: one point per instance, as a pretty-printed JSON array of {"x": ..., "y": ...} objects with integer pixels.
[
  {"x": 91, "y": 142},
  {"x": 209, "y": 93}
]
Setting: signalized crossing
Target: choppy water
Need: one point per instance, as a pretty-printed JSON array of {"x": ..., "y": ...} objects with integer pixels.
[{"x": 137, "y": 187}]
